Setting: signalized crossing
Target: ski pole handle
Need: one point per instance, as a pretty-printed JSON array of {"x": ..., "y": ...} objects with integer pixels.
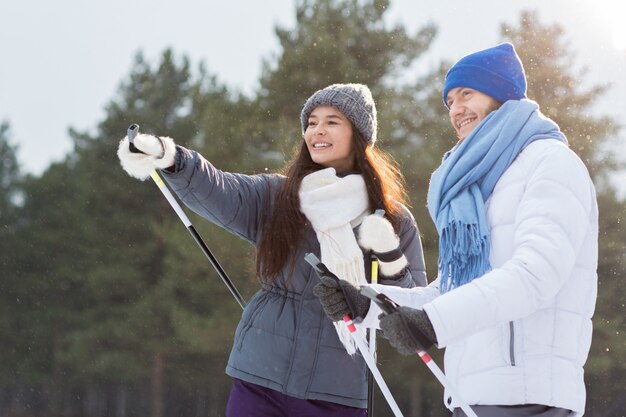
[
  {"x": 131, "y": 133},
  {"x": 386, "y": 304},
  {"x": 322, "y": 269}
]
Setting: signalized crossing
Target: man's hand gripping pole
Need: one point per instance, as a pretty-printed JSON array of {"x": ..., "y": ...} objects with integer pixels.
[{"x": 388, "y": 306}]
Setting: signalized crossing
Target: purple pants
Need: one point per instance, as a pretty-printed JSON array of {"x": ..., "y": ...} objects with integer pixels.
[{"x": 251, "y": 400}]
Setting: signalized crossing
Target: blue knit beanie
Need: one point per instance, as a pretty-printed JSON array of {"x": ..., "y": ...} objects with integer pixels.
[
  {"x": 353, "y": 100},
  {"x": 496, "y": 71}
]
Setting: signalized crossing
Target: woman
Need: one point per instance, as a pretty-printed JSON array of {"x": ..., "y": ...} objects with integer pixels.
[{"x": 287, "y": 357}]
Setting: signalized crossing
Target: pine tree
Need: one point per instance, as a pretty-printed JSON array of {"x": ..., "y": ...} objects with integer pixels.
[
  {"x": 334, "y": 41},
  {"x": 10, "y": 193},
  {"x": 152, "y": 305},
  {"x": 9, "y": 177},
  {"x": 556, "y": 86},
  {"x": 109, "y": 290},
  {"x": 115, "y": 293}
]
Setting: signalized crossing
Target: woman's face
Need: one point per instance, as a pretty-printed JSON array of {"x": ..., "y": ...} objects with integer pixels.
[
  {"x": 468, "y": 107},
  {"x": 328, "y": 137}
]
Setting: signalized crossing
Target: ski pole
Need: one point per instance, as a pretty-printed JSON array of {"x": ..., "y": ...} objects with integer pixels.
[
  {"x": 388, "y": 306},
  {"x": 361, "y": 344},
  {"x": 372, "y": 341},
  {"x": 132, "y": 132},
  {"x": 372, "y": 332}
]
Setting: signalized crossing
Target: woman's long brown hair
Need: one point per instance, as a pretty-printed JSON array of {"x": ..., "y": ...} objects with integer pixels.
[{"x": 286, "y": 225}]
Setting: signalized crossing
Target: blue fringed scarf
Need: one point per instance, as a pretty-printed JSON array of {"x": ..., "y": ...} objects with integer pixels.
[{"x": 465, "y": 179}]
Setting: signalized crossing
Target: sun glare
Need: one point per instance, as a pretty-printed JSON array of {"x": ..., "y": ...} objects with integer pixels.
[
  {"x": 613, "y": 13},
  {"x": 618, "y": 28}
]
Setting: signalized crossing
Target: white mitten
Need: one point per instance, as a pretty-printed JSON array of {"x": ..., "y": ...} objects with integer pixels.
[
  {"x": 155, "y": 152},
  {"x": 377, "y": 234}
]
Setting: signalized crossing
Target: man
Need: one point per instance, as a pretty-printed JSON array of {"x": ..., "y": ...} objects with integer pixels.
[{"x": 517, "y": 219}]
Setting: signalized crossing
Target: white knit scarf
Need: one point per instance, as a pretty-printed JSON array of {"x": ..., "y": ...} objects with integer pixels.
[{"x": 332, "y": 205}]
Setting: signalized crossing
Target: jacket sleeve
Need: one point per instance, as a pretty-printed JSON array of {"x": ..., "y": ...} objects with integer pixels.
[
  {"x": 553, "y": 218},
  {"x": 411, "y": 246},
  {"x": 235, "y": 202},
  {"x": 414, "y": 297}
]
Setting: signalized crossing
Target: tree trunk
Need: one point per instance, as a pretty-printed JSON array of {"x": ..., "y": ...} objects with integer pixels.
[
  {"x": 94, "y": 401},
  {"x": 55, "y": 389},
  {"x": 415, "y": 392},
  {"x": 157, "y": 384},
  {"x": 121, "y": 401},
  {"x": 201, "y": 400}
]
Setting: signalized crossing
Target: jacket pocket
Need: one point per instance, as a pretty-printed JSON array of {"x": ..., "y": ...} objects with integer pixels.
[{"x": 511, "y": 343}]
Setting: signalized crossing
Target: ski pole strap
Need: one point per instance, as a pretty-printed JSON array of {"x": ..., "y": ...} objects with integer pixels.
[
  {"x": 390, "y": 256},
  {"x": 132, "y": 132},
  {"x": 386, "y": 304}
]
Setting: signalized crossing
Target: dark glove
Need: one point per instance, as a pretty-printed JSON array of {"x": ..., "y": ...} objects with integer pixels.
[
  {"x": 334, "y": 301},
  {"x": 408, "y": 329}
]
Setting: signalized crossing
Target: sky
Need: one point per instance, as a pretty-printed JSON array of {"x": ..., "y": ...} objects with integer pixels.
[{"x": 63, "y": 61}]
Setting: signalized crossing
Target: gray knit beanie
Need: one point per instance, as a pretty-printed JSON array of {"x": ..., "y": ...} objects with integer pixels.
[{"x": 353, "y": 100}]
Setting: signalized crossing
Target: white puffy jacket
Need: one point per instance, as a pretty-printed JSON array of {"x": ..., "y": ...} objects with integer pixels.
[{"x": 521, "y": 333}]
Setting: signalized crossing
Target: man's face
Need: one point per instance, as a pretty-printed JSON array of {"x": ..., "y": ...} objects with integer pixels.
[{"x": 467, "y": 108}]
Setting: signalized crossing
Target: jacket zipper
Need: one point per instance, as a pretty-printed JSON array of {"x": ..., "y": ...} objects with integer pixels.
[{"x": 512, "y": 343}]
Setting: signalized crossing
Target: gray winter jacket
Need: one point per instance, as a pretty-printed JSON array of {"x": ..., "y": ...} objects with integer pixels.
[{"x": 283, "y": 341}]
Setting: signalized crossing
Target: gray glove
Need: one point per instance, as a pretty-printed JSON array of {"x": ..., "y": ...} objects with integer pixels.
[
  {"x": 335, "y": 297},
  {"x": 408, "y": 330}
]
